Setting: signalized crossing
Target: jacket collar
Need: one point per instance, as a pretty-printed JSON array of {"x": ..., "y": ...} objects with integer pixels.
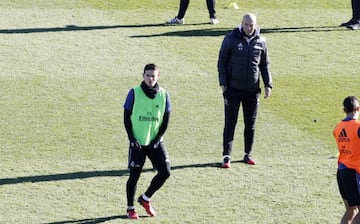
[{"x": 239, "y": 32}]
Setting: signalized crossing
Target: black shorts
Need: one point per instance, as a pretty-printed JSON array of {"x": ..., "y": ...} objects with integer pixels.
[
  {"x": 349, "y": 186},
  {"x": 159, "y": 157}
]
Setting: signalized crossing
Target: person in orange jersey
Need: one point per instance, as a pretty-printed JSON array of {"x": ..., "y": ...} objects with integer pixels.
[{"x": 347, "y": 135}]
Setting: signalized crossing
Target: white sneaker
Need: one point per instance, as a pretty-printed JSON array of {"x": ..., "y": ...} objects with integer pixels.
[
  {"x": 214, "y": 21},
  {"x": 175, "y": 21}
]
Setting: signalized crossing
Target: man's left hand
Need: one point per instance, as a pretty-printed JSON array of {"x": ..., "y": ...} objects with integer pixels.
[{"x": 267, "y": 92}]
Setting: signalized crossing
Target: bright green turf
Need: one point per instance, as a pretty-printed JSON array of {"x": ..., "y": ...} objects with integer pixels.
[{"x": 66, "y": 67}]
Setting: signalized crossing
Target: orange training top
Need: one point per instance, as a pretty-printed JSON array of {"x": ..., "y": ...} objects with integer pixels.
[{"x": 347, "y": 135}]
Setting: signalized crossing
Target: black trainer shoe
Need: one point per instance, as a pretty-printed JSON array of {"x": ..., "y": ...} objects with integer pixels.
[
  {"x": 350, "y": 22},
  {"x": 355, "y": 26}
]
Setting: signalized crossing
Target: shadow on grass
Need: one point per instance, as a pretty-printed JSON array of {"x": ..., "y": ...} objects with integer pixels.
[
  {"x": 73, "y": 28},
  {"x": 95, "y": 220},
  {"x": 224, "y": 31},
  {"x": 91, "y": 221},
  {"x": 89, "y": 174},
  {"x": 188, "y": 33}
]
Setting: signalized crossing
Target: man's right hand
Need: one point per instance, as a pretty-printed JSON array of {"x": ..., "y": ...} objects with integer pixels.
[{"x": 135, "y": 145}]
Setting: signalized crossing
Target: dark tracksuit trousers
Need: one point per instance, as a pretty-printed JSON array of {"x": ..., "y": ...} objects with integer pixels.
[
  {"x": 232, "y": 101},
  {"x": 355, "y": 5},
  {"x": 160, "y": 161},
  {"x": 185, "y": 3}
]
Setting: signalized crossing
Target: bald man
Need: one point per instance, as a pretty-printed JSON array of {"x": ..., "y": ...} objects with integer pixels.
[{"x": 243, "y": 58}]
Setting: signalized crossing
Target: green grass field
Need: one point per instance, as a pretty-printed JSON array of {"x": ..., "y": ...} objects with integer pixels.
[{"x": 66, "y": 67}]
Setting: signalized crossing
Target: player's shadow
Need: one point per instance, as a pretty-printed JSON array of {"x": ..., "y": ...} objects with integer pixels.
[
  {"x": 73, "y": 28},
  {"x": 95, "y": 220},
  {"x": 89, "y": 174},
  {"x": 191, "y": 32},
  {"x": 223, "y": 31},
  {"x": 91, "y": 221}
]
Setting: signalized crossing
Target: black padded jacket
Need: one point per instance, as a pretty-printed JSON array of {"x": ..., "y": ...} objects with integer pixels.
[{"x": 242, "y": 61}]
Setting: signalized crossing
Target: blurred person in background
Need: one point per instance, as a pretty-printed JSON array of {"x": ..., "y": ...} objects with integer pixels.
[{"x": 184, "y": 4}]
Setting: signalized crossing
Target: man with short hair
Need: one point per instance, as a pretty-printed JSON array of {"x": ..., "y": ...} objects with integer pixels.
[
  {"x": 347, "y": 135},
  {"x": 146, "y": 117},
  {"x": 243, "y": 58}
]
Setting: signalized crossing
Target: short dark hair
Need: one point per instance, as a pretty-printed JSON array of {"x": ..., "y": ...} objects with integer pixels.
[
  {"x": 151, "y": 67},
  {"x": 350, "y": 103}
]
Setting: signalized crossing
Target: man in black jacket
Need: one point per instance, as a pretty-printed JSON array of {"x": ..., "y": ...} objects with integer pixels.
[{"x": 243, "y": 57}]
